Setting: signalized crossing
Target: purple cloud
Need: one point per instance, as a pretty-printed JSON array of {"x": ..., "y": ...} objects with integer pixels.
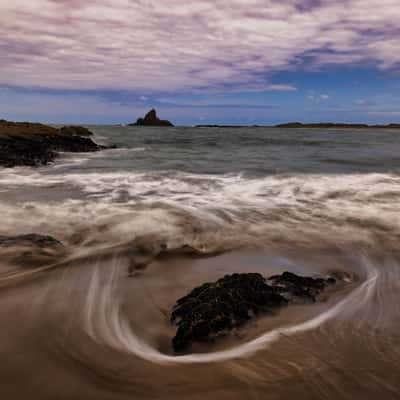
[{"x": 188, "y": 45}]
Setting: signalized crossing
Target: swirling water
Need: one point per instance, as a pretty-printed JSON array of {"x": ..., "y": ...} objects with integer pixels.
[{"x": 248, "y": 199}]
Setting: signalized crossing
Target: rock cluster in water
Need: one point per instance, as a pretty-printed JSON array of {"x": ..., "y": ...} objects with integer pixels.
[
  {"x": 213, "y": 309},
  {"x": 30, "y": 250},
  {"x": 28, "y": 240},
  {"x": 151, "y": 119},
  {"x": 32, "y": 144}
]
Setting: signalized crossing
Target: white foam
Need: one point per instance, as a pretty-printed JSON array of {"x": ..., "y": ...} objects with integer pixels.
[
  {"x": 229, "y": 209},
  {"x": 105, "y": 323}
]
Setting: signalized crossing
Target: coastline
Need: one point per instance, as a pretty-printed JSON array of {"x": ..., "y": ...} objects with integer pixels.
[
  {"x": 34, "y": 144},
  {"x": 100, "y": 290},
  {"x": 131, "y": 231},
  {"x": 300, "y": 125}
]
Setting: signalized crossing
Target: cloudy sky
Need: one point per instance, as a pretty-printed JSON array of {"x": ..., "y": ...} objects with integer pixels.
[{"x": 222, "y": 61}]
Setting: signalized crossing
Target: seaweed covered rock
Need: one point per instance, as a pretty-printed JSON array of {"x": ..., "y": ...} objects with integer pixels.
[
  {"x": 214, "y": 309},
  {"x": 295, "y": 288}
]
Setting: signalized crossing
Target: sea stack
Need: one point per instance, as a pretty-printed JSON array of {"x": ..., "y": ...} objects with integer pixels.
[{"x": 151, "y": 119}]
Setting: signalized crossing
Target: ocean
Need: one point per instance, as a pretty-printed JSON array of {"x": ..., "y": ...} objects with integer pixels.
[{"x": 94, "y": 323}]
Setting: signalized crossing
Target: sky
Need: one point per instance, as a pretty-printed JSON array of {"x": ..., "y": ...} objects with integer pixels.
[{"x": 199, "y": 62}]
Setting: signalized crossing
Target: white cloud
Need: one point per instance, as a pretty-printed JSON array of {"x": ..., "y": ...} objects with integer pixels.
[{"x": 149, "y": 45}]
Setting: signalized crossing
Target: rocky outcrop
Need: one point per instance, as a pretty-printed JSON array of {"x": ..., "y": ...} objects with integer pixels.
[
  {"x": 151, "y": 119},
  {"x": 214, "y": 309},
  {"x": 31, "y": 144},
  {"x": 75, "y": 130}
]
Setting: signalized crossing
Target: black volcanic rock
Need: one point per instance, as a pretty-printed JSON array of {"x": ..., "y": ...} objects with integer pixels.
[
  {"x": 295, "y": 288},
  {"x": 214, "y": 309},
  {"x": 151, "y": 119},
  {"x": 31, "y": 144}
]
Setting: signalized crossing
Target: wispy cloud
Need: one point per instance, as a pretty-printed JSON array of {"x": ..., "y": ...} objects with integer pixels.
[
  {"x": 214, "y": 102},
  {"x": 364, "y": 102},
  {"x": 148, "y": 45},
  {"x": 318, "y": 97}
]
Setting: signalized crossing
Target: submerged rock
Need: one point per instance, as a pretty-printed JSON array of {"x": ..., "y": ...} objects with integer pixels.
[
  {"x": 29, "y": 240},
  {"x": 151, "y": 119},
  {"x": 147, "y": 250},
  {"x": 31, "y": 250},
  {"x": 214, "y": 309},
  {"x": 31, "y": 144}
]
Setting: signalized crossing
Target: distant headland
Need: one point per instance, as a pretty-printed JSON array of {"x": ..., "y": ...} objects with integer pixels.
[
  {"x": 299, "y": 125},
  {"x": 336, "y": 125},
  {"x": 151, "y": 119},
  {"x": 228, "y": 126}
]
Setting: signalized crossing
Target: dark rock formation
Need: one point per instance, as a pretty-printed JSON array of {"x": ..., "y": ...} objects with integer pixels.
[
  {"x": 29, "y": 144},
  {"x": 31, "y": 239},
  {"x": 295, "y": 288},
  {"x": 151, "y": 119},
  {"x": 213, "y": 309}
]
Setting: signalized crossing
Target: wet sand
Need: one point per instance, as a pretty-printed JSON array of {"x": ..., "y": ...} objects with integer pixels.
[
  {"x": 75, "y": 325},
  {"x": 88, "y": 330}
]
